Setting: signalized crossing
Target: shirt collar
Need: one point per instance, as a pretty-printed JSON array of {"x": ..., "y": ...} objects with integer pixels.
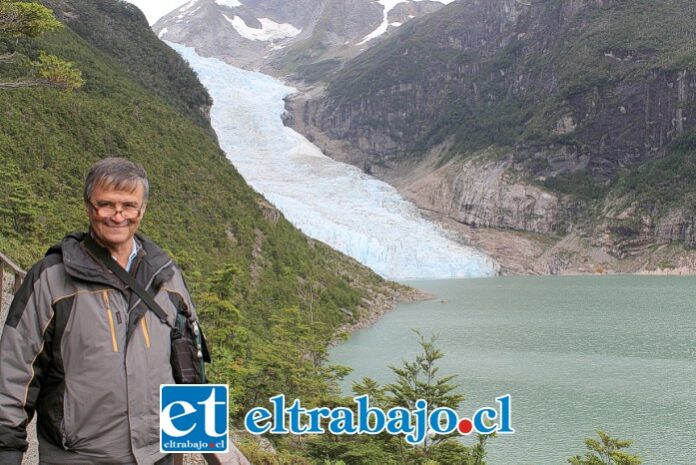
[{"x": 133, "y": 254}]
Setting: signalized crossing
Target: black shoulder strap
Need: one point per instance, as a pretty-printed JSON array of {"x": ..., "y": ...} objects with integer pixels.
[{"x": 103, "y": 255}]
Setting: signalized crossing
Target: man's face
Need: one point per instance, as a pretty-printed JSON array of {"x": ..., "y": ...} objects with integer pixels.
[{"x": 115, "y": 231}]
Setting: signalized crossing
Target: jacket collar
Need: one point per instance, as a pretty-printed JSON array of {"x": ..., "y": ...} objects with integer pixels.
[{"x": 80, "y": 264}]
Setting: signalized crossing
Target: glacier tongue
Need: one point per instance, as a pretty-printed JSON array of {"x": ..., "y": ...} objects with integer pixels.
[{"x": 330, "y": 201}]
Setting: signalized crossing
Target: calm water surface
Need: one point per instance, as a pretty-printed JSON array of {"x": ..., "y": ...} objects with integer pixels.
[{"x": 577, "y": 354}]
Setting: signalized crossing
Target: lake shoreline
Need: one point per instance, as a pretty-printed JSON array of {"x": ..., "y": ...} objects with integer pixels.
[{"x": 380, "y": 307}]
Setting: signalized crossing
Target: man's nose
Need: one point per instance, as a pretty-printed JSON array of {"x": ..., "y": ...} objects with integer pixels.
[{"x": 119, "y": 215}]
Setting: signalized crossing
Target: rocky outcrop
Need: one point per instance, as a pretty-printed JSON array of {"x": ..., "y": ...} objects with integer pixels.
[
  {"x": 677, "y": 225},
  {"x": 482, "y": 192},
  {"x": 638, "y": 228}
]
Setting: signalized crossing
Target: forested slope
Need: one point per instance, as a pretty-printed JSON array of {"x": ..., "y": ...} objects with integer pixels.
[{"x": 258, "y": 281}]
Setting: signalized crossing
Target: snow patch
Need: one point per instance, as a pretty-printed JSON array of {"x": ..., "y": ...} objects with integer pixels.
[
  {"x": 185, "y": 10},
  {"x": 229, "y": 3},
  {"x": 162, "y": 32},
  {"x": 270, "y": 30},
  {"x": 388, "y": 6},
  {"x": 332, "y": 202}
]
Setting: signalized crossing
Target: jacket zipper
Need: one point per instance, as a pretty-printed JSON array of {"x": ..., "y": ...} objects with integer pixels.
[{"x": 110, "y": 316}]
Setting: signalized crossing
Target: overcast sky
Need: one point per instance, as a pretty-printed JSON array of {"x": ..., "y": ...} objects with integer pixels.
[{"x": 155, "y": 9}]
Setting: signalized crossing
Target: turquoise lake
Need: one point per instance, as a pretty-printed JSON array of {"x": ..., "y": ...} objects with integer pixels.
[{"x": 576, "y": 354}]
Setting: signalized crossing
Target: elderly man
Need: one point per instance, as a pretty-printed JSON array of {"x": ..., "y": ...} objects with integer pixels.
[{"x": 81, "y": 348}]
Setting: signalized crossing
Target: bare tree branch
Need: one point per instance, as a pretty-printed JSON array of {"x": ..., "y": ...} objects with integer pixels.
[
  {"x": 23, "y": 84},
  {"x": 7, "y": 57}
]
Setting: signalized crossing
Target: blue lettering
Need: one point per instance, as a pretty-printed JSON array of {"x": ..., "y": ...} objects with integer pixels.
[
  {"x": 295, "y": 412},
  {"x": 342, "y": 421},
  {"x": 505, "y": 414},
  {"x": 399, "y": 421},
  {"x": 279, "y": 414},
  {"x": 253, "y": 417},
  {"x": 364, "y": 413},
  {"x": 420, "y": 414},
  {"x": 435, "y": 420},
  {"x": 315, "y": 415},
  {"x": 480, "y": 420}
]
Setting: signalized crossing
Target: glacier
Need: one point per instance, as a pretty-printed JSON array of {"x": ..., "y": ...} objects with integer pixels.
[{"x": 330, "y": 201}]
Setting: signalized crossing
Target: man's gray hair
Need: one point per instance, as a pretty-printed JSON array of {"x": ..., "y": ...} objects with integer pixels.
[{"x": 116, "y": 173}]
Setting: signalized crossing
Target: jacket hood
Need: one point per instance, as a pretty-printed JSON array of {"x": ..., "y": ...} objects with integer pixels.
[{"x": 80, "y": 264}]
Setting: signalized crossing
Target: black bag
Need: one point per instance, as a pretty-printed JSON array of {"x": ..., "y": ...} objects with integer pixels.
[{"x": 189, "y": 351}]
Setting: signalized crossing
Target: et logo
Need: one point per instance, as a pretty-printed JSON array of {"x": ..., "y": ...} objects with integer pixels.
[{"x": 194, "y": 418}]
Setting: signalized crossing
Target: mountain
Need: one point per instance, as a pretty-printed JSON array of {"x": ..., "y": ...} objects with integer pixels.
[
  {"x": 310, "y": 38},
  {"x": 259, "y": 283},
  {"x": 564, "y": 130}
]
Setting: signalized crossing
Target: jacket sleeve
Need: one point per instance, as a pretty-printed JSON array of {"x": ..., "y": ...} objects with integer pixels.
[{"x": 24, "y": 357}]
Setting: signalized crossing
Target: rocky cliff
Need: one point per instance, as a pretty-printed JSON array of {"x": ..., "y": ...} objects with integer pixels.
[{"x": 589, "y": 101}]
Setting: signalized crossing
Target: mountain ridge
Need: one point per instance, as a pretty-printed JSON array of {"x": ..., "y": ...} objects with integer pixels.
[
  {"x": 574, "y": 98},
  {"x": 309, "y": 39}
]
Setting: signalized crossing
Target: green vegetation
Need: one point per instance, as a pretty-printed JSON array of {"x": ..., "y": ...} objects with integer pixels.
[
  {"x": 20, "y": 19},
  {"x": 664, "y": 182},
  {"x": 127, "y": 39},
  {"x": 418, "y": 379},
  {"x": 579, "y": 184},
  {"x": 606, "y": 451},
  {"x": 269, "y": 298}
]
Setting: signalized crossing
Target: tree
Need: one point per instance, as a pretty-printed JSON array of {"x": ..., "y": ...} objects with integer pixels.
[
  {"x": 606, "y": 451},
  {"x": 58, "y": 73},
  {"x": 19, "y": 206},
  {"x": 23, "y": 19},
  {"x": 420, "y": 380}
]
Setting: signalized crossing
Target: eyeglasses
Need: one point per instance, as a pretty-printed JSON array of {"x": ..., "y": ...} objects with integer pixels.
[{"x": 105, "y": 209}]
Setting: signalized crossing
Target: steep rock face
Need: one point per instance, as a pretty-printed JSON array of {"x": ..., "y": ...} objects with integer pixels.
[
  {"x": 634, "y": 230},
  {"x": 499, "y": 73},
  {"x": 611, "y": 129},
  {"x": 483, "y": 193},
  {"x": 677, "y": 225}
]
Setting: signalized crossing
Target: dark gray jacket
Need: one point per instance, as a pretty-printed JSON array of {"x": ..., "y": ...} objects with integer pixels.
[{"x": 89, "y": 357}]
